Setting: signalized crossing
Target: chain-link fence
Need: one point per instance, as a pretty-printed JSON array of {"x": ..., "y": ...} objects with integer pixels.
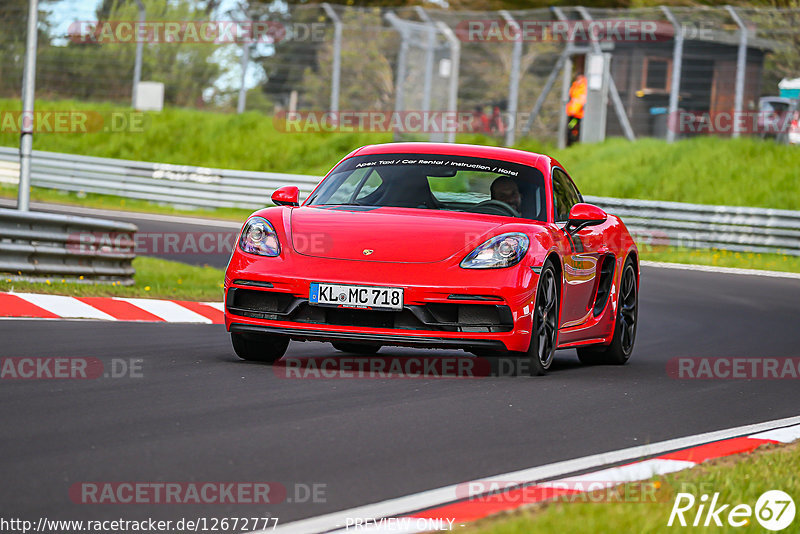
[{"x": 505, "y": 74}]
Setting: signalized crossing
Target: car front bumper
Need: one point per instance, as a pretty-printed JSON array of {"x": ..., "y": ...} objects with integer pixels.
[{"x": 444, "y": 306}]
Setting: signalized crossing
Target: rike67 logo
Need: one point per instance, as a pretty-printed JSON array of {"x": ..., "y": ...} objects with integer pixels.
[{"x": 774, "y": 510}]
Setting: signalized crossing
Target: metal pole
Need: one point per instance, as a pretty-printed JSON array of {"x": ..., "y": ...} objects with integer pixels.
[
  {"x": 551, "y": 79},
  {"x": 28, "y": 94},
  {"x": 675, "y": 88},
  {"x": 619, "y": 108},
  {"x": 399, "y": 91},
  {"x": 337, "y": 55},
  {"x": 240, "y": 105},
  {"x": 455, "y": 59},
  {"x": 741, "y": 65},
  {"x": 566, "y": 81},
  {"x": 428, "y": 83},
  {"x": 548, "y": 86},
  {"x": 513, "y": 80},
  {"x": 137, "y": 65}
]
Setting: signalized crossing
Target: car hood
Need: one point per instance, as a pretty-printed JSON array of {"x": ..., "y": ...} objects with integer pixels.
[{"x": 387, "y": 234}]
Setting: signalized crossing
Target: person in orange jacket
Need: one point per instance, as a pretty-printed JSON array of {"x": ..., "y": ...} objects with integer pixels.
[{"x": 577, "y": 101}]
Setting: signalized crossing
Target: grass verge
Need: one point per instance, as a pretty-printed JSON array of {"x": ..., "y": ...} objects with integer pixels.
[
  {"x": 155, "y": 278},
  {"x": 702, "y": 170},
  {"x": 722, "y": 258},
  {"x": 738, "y": 479}
]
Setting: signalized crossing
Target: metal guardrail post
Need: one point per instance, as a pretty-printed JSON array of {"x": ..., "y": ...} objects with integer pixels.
[
  {"x": 337, "y": 55},
  {"x": 28, "y": 102},
  {"x": 741, "y": 66},
  {"x": 677, "y": 63},
  {"x": 513, "y": 79}
]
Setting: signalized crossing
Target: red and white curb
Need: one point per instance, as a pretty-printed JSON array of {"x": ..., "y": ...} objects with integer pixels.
[
  {"x": 447, "y": 507},
  {"x": 40, "y": 306}
]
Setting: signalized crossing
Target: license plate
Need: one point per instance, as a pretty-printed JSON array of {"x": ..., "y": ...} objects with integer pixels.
[{"x": 350, "y": 296}]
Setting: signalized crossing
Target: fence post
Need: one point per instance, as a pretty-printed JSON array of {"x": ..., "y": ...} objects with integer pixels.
[
  {"x": 513, "y": 80},
  {"x": 399, "y": 91},
  {"x": 677, "y": 61},
  {"x": 337, "y": 55},
  {"x": 242, "y": 101},
  {"x": 429, "y": 51},
  {"x": 566, "y": 80},
  {"x": 28, "y": 103},
  {"x": 741, "y": 65},
  {"x": 137, "y": 64},
  {"x": 455, "y": 60}
]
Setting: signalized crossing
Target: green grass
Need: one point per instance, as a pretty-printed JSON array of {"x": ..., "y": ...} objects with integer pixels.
[
  {"x": 704, "y": 170},
  {"x": 248, "y": 141},
  {"x": 740, "y": 479},
  {"x": 722, "y": 258},
  {"x": 154, "y": 278}
]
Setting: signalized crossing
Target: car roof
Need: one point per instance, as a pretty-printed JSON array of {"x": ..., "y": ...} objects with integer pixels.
[{"x": 512, "y": 155}]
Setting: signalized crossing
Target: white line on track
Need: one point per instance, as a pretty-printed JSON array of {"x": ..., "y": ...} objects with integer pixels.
[
  {"x": 723, "y": 270},
  {"x": 436, "y": 497}
]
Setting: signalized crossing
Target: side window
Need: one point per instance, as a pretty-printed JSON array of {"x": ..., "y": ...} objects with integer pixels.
[
  {"x": 357, "y": 180},
  {"x": 370, "y": 185},
  {"x": 565, "y": 195}
]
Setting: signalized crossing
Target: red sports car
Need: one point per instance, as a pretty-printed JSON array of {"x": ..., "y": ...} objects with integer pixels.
[{"x": 490, "y": 250}]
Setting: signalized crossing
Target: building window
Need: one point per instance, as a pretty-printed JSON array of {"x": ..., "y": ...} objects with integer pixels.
[{"x": 656, "y": 75}]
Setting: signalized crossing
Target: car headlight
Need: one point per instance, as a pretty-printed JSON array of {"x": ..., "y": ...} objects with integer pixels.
[
  {"x": 500, "y": 251},
  {"x": 259, "y": 237}
]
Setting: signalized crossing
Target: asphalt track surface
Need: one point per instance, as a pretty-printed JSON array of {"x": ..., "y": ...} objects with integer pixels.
[{"x": 199, "y": 414}]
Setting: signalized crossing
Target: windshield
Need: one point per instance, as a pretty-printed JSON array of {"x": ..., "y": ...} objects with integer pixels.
[{"x": 426, "y": 181}]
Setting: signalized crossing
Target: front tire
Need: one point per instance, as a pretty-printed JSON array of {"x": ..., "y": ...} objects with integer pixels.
[
  {"x": 544, "y": 334},
  {"x": 619, "y": 351},
  {"x": 356, "y": 348},
  {"x": 266, "y": 348}
]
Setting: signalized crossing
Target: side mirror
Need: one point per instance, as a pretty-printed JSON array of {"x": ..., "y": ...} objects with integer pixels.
[
  {"x": 582, "y": 215},
  {"x": 288, "y": 195}
]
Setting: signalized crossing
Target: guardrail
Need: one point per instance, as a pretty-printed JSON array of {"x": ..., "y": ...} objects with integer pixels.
[
  {"x": 38, "y": 246},
  {"x": 157, "y": 182},
  {"x": 706, "y": 226},
  {"x": 653, "y": 222}
]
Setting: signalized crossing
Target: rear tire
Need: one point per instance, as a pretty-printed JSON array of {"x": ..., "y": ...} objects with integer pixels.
[
  {"x": 267, "y": 348},
  {"x": 619, "y": 351},
  {"x": 544, "y": 333},
  {"x": 356, "y": 348}
]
